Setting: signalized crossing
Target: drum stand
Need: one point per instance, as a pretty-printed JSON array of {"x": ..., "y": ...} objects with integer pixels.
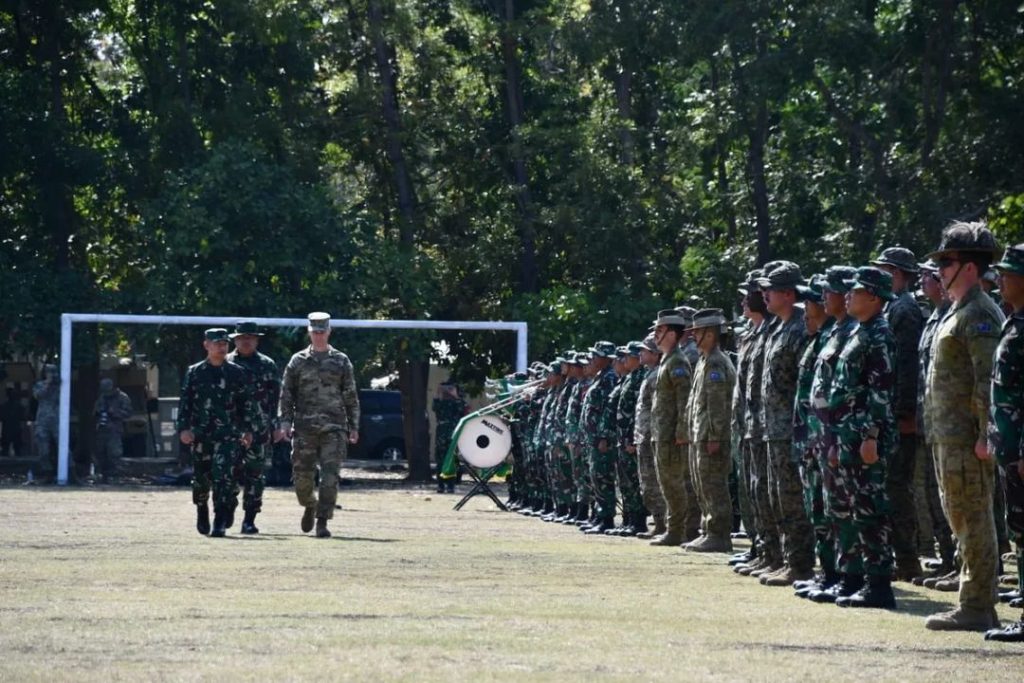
[{"x": 481, "y": 481}]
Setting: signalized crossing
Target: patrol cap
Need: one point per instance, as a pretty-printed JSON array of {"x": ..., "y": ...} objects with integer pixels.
[
  {"x": 1012, "y": 261},
  {"x": 898, "y": 257},
  {"x": 216, "y": 334},
  {"x": 874, "y": 280},
  {"x": 784, "y": 275},
  {"x": 621, "y": 351},
  {"x": 246, "y": 327},
  {"x": 813, "y": 291},
  {"x": 603, "y": 349},
  {"x": 708, "y": 317},
  {"x": 836, "y": 278},
  {"x": 319, "y": 321},
  {"x": 973, "y": 238},
  {"x": 670, "y": 316}
]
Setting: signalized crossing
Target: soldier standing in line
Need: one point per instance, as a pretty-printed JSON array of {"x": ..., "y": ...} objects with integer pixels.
[
  {"x": 634, "y": 514},
  {"x": 1006, "y": 418},
  {"x": 112, "y": 408},
  {"x": 46, "y": 392},
  {"x": 708, "y": 418},
  {"x": 783, "y": 348},
  {"x": 216, "y": 414},
  {"x": 600, "y": 438},
  {"x": 565, "y": 493},
  {"x": 906, "y": 322},
  {"x": 266, "y": 383},
  {"x": 957, "y": 396},
  {"x": 860, "y": 404},
  {"x": 669, "y": 430},
  {"x": 319, "y": 410},
  {"x": 576, "y": 436},
  {"x": 654, "y": 502}
]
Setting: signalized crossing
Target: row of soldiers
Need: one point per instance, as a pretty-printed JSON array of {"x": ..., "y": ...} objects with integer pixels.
[{"x": 839, "y": 396}]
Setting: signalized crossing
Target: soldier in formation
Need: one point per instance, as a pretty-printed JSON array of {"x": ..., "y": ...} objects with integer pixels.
[{"x": 112, "y": 408}]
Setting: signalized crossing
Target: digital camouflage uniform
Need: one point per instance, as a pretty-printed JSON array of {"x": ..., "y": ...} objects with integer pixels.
[
  {"x": 536, "y": 477},
  {"x": 739, "y": 442},
  {"x": 649, "y": 487},
  {"x": 251, "y": 465},
  {"x": 709, "y": 418},
  {"x": 575, "y": 436},
  {"x": 117, "y": 407},
  {"x": 756, "y": 457},
  {"x": 564, "y": 483},
  {"x": 860, "y": 406},
  {"x": 626, "y": 470},
  {"x": 957, "y": 398},
  {"x": 217, "y": 406},
  {"x": 668, "y": 425},
  {"x": 319, "y": 399},
  {"x": 783, "y": 348},
  {"x": 598, "y": 414},
  {"x": 44, "y": 426}
]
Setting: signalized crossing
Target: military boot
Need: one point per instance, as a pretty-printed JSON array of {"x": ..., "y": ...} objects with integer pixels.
[
  {"x": 603, "y": 525},
  {"x": 219, "y": 523},
  {"x": 658, "y": 530},
  {"x": 847, "y": 585},
  {"x": 710, "y": 544},
  {"x": 203, "y": 518},
  {"x": 229, "y": 517},
  {"x": 932, "y": 580},
  {"x": 1009, "y": 596},
  {"x": 743, "y": 558},
  {"x": 876, "y": 593},
  {"x": 1014, "y": 633},
  {"x": 640, "y": 524},
  {"x": 948, "y": 585},
  {"x": 787, "y": 577},
  {"x": 909, "y": 571},
  {"x": 307, "y": 520},
  {"x": 669, "y": 538},
  {"x": 745, "y": 569},
  {"x": 961, "y": 619},
  {"x": 321, "y": 528},
  {"x": 823, "y": 581},
  {"x": 249, "y": 523},
  {"x": 1017, "y": 603}
]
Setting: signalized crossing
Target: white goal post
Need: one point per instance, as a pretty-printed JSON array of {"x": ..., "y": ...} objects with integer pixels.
[{"x": 69, "y": 319}]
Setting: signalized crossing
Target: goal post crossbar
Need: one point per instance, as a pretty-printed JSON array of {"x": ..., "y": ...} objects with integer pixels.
[{"x": 69, "y": 319}]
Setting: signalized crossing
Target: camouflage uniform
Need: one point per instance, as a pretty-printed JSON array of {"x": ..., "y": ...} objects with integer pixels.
[
  {"x": 957, "y": 404},
  {"x": 860, "y": 407},
  {"x": 756, "y": 457},
  {"x": 783, "y": 348},
  {"x": 598, "y": 415},
  {"x": 668, "y": 425},
  {"x": 110, "y": 435},
  {"x": 625, "y": 466},
  {"x": 906, "y": 322},
  {"x": 217, "y": 406},
  {"x": 319, "y": 398},
  {"x": 575, "y": 437},
  {"x": 536, "y": 478},
  {"x": 251, "y": 464},
  {"x": 708, "y": 415},
  {"x": 541, "y": 441},
  {"x": 564, "y": 484},
  {"x": 649, "y": 488},
  {"x": 45, "y": 424},
  {"x": 739, "y": 441}
]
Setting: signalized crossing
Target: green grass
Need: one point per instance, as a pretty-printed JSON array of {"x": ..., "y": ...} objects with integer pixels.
[{"x": 116, "y": 585}]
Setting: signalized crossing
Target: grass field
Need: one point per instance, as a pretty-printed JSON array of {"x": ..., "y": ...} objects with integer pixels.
[{"x": 117, "y": 585}]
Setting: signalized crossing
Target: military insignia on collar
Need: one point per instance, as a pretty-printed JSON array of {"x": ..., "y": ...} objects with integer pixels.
[
  {"x": 983, "y": 327},
  {"x": 715, "y": 376},
  {"x": 679, "y": 372}
]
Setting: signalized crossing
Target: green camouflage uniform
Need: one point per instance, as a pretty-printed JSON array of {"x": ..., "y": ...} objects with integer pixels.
[
  {"x": 110, "y": 436},
  {"x": 649, "y": 488},
  {"x": 739, "y": 442},
  {"x": 249, "y": 469},
  {"x": 575, "y": 438},
  {"x": 319, "y": 398},
  {"x": 783, "y": 349},
  {"x": 668, "y": 425},
  {"x": 541, "y": 440},
  {"x": 708, "y": 414},
  {"x": 625, "y": 466},
  {"x": 957, "y": 397},
  {"x": 599, "y": 420},
  {"x": 861, "y": 406},
  {"x": 217, "y": 406},
  {"x": 562, "y": 473},
  {"x": 536, "y": 470},
  {"x": 757, "y": 456}
]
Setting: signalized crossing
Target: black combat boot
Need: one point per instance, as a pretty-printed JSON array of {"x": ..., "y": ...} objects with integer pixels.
[
  {"x": 440, "y": 484},
  {"x": 321, "y": 528},
  {"x": 876, "y": 593},
  {"x": 602, "y": 525},
  {"x": 229, "y": 517},
  {"x": 847, "y": 585},
  {"x": 822, "y": 581},
  {"x": 220, "y": 526},
  {"x": 203, "y": 518},
  {"x": 249, "y": 523},
  {"x": 307, "y": 520},
  {"x": 640, "y": 524}
]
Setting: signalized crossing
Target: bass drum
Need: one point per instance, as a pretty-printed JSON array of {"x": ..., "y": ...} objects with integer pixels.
[{"x": 485, "y": 441}]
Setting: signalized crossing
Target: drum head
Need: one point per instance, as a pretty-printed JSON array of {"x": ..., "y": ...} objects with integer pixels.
[{"x": 485, "y": 441}]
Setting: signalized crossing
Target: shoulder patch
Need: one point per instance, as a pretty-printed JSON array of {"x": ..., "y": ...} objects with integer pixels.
[
  {"x": 680, "y": 372},
  {"x": 716, "y": 376},
  {"x": 983, "y": 327}
]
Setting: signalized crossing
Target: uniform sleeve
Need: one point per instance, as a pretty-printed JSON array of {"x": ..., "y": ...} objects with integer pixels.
[
  {"x": 350, "y": 397},
  {"x": 185, "y": 405},
  {"x": 248, "y": 416},
  {"x": 718, "y": 386},
  {"x": 981, "y": 342},
  {"x": 907, "y": 324},
  {"x": 878, "y": 366},
  {"x": 273, "y": 395},
  {"x": 286, "y": 406},
  {"x": 681, "y": 379}
]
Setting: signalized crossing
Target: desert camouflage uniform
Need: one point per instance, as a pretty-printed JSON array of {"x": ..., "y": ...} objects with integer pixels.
[
  {"x": 668, "y": 425},
  {"x": 957, "y": 398},
  {"x": 251, "y": 463},
  {"x": 319, "y": 398},
  {"x": 708, "y": 415}
]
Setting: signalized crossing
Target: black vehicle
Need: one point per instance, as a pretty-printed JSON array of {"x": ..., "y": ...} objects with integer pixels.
[{"x": 381, "y": 435}]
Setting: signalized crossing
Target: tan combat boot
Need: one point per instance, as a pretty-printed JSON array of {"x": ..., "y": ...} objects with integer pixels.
[{"x": 962, "y": 619}]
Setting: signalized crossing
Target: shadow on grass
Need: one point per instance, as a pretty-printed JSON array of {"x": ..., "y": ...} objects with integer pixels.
[
  {"x": 916, "y": 604},
  {"x": 334, "y": 537}
]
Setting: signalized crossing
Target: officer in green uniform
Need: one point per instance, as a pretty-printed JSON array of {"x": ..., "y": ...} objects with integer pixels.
[
  {"x": 634, "y": 514},
  {"x": 216, "y": 414},
  {"x": 600, "y": 437}
]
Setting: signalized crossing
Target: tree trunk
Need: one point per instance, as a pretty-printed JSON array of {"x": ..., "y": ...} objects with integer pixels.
[
  {"x": 623, "y": 98},
  {"x": 721, "y": 151},
  {"x": 412, "y": 382},
  {"x": 757, "y": 135}
]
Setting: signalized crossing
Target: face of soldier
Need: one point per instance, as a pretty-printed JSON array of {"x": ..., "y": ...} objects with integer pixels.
[
  {"x": 932, "y": 288},
  {"x": 648, "y": 357},
  {"x": 835, "y": 304},
  {"x": 246, "y": 344},
  {"x": 319, "y": 339},
  {"x": 632, "y": 363},
  {"x": 899, "y": 278},
  {"x": 216, "y": 351},
  {"x": 780, "y": 301},
  {"x": 1011, "y": 286},
  {"x": 665, "y": 338},
  {"x": 814, "y": 316},
  {"x": 862, "y": 304}
]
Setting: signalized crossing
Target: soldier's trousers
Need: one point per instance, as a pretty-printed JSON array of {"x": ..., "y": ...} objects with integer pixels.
[
  {"x": 673, "y": 467},
  {"x": 1013, "y": 488},
  {"x": 250, "y": 472},
  {"x": 561, "y": 475},
  {"x": 858, "y": 503},
  {"x": 312, "y": 450},
  {"x": 44, "y": 435},
  {"x": 748, "y": 512},
  {"x": 814, "y": 506},
  {"x": 710, "y": 475},
  {"x": 602, "y": 480},
  {"x": 966, "y": 486},
  {"x": 629, "y": 484},
  {"x": 927, "y": 497},
  {"x": 764, "y": 514},
  {"x": 213, "y": 467},
  {"x": 580, "y": 473},
  {"x": 648, "y": 472},
  {"x": 787, "y": 500},
  {"x": 900, "y": 485},
  {"x": 109, "y": 449}
]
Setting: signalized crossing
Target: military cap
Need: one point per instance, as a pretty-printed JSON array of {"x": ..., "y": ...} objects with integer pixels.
[
  {"x": 216, "y": 334},
  {"x": 929, "y": 267},
  {"x": 603, "y": 349},
  {"x": 813, "y": 291},
  {"x": 750, "y": 283},
  {"x": 648, "y": 343},
  {"x": 1012, "y": 261},
  {"x": 898, "y": 257},
  {"x": 555, "y": 368},
  {"x": 784, "y": 275},
  {"x": 670, "y": 316},
  {"x": 708, "y": 317},
  {"x": 687, "y": 313},
  {"x": 245, "y": 327},
  {"x": 634, "y": 348},
  {"x": 874, "y": 280},
  {"x": 967, "y": 238},
  {"x": 319, "y": 321},
  {"x": 836, "y": 278},
  {"x": 990, "y": 275}
]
